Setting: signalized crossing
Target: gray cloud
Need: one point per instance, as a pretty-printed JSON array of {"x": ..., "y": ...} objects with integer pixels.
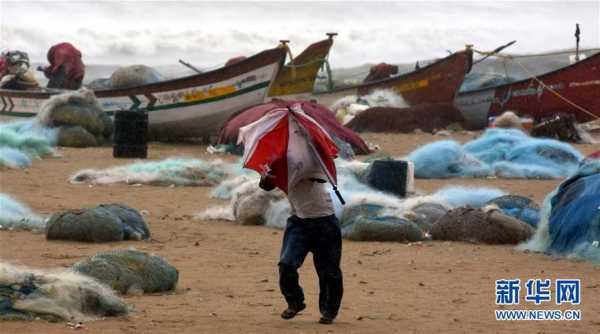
[{"x": 209, "y": 33}]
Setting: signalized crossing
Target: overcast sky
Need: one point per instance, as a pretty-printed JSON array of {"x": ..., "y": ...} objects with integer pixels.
[{"x": 208, "y": 33}]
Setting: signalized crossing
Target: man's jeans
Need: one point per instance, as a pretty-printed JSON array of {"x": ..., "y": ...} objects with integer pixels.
[{"x": 322, "y": 237}]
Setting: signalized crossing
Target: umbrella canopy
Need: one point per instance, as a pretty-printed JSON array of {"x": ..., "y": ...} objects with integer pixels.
[
  {"x": 291, "y": 145},
  {"x": 326, "y": 118}
]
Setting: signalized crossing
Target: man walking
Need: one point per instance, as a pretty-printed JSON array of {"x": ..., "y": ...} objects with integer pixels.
[{"x": 313, "y": 227}]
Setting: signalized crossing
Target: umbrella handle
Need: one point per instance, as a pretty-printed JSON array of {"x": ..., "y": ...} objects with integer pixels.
[{"x": 339, "y": 196}]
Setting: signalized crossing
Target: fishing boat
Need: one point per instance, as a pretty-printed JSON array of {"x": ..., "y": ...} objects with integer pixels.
[
  {"x": 191, "y": 106},
  {"x": 572, "y": 89},
  {"x": 296, "y": 79},
  {"x": 437, "y": 82}
]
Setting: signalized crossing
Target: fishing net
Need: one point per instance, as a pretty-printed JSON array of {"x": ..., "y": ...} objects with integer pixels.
[
  {"x": 368, "y": 214},
  {"x": 22, "y": 141},
  {"x": 107, "y": 222},
  {"x": 480, "y": 226},
  {"x": 130, "y": 271},
  {"x": 519, "y": 207},
  {"x": 570, "y": 219},
  {"x": 173, "y": 171},
  {"x": 76, "y": 108},
  {"x": 426, "y": 117},
  {"x": 348, "y": 107},
  {"x": 15, "y": 215},
  {"x": 27, "y": 294},
  {"x": 134, "y": 75},
  {"x": 507, "y": 153},
  {"x": 366, "y": 222}
]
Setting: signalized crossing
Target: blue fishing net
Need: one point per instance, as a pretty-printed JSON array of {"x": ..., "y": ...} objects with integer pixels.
[
  {"x": 507, "y": 153},
  {"x": 574, "y": 222},
  {"x": 22, "y": 141},
  {"x": 15, "y": 215}
]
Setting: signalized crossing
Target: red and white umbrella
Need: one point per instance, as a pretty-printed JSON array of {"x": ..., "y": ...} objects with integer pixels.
[{"x": 291, "y": 145}]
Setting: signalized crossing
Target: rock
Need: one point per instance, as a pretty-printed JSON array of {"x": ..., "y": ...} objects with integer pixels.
[
  {"x": 75, "y": 136},
  {"x": 478, "y": 226},
  {"x": 134, "y": 75},
  {"x": 129, "y": 270},
  {"x": 107, "y": 222},
  {"x": 364, "y": 222}
]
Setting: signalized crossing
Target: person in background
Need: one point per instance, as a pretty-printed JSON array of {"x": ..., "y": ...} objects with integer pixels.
[
  {"x": 313, "y": 227},
  {"x": 14, "y": 71},
  {"x": 66, "y": 69}
]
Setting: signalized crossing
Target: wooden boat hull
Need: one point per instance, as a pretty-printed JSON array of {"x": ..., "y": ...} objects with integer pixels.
[
  {"x": 579, "y": 83},
  {"x": 193, "y": 106},
  {"x": 297, "y": 79},
  {"x": 436, "y": 83}
]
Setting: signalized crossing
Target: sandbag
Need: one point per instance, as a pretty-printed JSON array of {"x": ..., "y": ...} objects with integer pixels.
[
  {"x": 363, "y": 222},
  {"x": 75, "y": 136},
  {"x": 27, "y": 294},
  {"x": 134, "y": 75},
  {"x": 478, "y": 226},
  {"x": 130, "y": 271}
]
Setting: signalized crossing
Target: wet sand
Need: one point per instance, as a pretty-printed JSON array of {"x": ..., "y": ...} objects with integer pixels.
[{"x": 228, "y": 273}]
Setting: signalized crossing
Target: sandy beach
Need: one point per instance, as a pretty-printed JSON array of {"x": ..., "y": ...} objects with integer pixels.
[{"x": 228, "y": 273}]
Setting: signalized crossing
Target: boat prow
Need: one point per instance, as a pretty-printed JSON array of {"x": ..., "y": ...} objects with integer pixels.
[{"x": 297, "y": 78}]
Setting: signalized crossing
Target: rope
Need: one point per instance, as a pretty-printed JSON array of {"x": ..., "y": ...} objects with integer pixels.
[
  {"x": 540, "y": 82},
  {"x": 555, "y": 53}
]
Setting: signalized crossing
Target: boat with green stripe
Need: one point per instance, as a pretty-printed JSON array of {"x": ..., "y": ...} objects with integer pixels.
[{"x": 192, "y": 106}]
